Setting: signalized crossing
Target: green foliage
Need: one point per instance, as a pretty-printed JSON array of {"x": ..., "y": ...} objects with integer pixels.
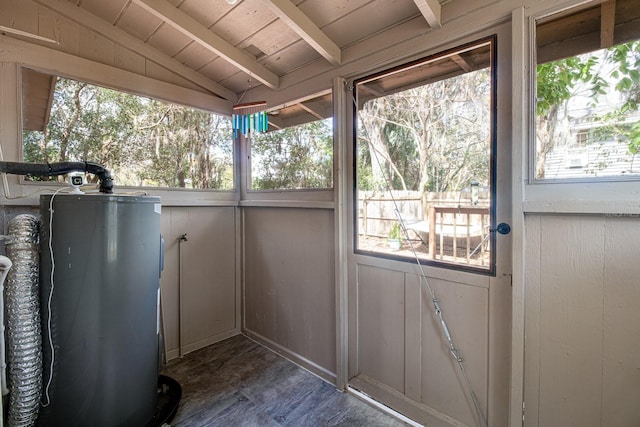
[
  {"x": 395, "y": 232},
  {"x": 597, "y": 75},
  {"x": 143, "y": 141},
  {"x": 557, "y": 79},
  {"x": 299, "y": 157}
]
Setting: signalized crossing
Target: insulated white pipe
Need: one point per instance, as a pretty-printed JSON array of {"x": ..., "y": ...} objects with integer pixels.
[{"x": 5, "y": 265}]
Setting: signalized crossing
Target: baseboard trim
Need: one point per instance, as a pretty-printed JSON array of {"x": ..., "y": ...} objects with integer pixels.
[
  {"x": 299, "y": 360},
  {"x": 382, "y": 407},
  {"x": 188, "y": 348}
]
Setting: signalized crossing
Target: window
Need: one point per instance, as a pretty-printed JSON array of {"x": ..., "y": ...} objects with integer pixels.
[
  {"x": 144, "y": 142},
  {"x": 425, "y": 160},
  {"x": 587, "y": 122},
  {"x": 299, "y": 154}
]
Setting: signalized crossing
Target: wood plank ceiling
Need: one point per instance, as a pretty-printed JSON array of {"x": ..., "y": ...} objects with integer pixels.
[{"x": 226, "y": 47}]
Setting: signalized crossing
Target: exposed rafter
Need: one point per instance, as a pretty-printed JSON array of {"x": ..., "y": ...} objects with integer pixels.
[
  {"x": 607, "y": 23},
  {"x": 305, "y": 28},
  {"x": 375, "y": 91},
  {"x": 430, "y": 9},
  {"x": 461, "y": 63},
  {"x": 82, "y": 17},
  {"x": 203, "y": 36},
  {"x": 311, "y": 111}
]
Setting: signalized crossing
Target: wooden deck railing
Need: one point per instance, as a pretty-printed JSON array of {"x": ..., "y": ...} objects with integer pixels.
[{"x": 458, "y": 225}]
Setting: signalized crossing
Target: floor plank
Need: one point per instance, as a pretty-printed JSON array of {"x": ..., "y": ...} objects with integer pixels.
[{"x": 238, "y": 382}]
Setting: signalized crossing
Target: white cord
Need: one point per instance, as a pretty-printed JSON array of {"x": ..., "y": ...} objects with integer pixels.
[{"x": 53, "y": 268}]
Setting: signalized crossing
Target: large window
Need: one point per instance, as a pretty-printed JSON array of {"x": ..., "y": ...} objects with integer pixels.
[
  {"x": 297, "y": 152},
  {"x": 587, "y": 121},
  {"x": 143, "y": 142},
  {"x": 295, "y": 158},
  {"x": 425, "y": 159}
]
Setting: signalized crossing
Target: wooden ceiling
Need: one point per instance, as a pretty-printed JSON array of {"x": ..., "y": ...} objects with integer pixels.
[
  {"x": 227, "y": 48},
  {"x": 572, "y": 33}
]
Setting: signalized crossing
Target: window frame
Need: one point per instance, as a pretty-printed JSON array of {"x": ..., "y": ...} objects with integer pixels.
[
  {"x": 130, "y": 83},
  {"x": 256, "y": 191},
  {"x": 490, "y": 270},
  {"x": 531, "y": 150}
]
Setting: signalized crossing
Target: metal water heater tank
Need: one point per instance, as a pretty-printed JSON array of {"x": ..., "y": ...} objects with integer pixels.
[{"x": 103, "y": 321}]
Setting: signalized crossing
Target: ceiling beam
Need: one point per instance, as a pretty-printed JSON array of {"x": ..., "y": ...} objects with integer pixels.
[
  {"x": 369, "y": 88},
  {"x": 464, "y": 65},
  {"x": 431, "y": 11},
  {"x": 207, "y": 39},
  {"x": 311, "y": 111},
  {"x": 92, "y": 22},
  {"x": 276, "y": 122},
  {"x": 305, "y": 28},
  {"x": 607, "y": 23}
]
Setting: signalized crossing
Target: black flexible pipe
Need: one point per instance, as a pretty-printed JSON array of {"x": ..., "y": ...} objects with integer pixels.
[{"x": 61, "y": 168}]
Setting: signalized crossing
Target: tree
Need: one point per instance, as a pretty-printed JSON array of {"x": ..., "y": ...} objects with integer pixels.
[
  {"x": 297, "y": 157},
  {"x": 143, "y": 141},
  {"x": 434, "y": 137},
  {"x": 595, "y": 76}
]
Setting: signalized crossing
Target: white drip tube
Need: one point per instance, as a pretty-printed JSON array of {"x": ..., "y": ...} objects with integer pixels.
[{"x": 5, "y": 265}]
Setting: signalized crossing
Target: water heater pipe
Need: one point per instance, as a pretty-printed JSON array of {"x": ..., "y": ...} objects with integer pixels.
[
  {"x": 5, "y": 265},
  {"x": 61, "y": 168}
]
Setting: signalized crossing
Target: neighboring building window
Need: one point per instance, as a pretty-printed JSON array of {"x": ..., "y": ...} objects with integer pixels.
[
  {"x": 299, "y": 155},
  {"x": 581, "y": 139},
  {"x": 588, "y": 93},
  {"x": 143, "y": 142},
  {"x": 425, "y": 154}
]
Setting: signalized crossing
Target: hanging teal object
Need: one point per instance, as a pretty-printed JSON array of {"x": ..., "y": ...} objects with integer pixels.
[{"x": 248, "y": 118}]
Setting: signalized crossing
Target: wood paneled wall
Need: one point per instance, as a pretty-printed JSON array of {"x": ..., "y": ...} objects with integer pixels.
[
  {"x": 210, "y": 284},
  {"x": 402, "y": 356},
  {"x": 582, "y": 323},
  {"x": 289, "y": 286}
]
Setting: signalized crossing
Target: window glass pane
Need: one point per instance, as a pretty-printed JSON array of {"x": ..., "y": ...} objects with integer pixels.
[
  {"x": 143, "y": 142},
  {"x": 293, "y": 158},
  {"x": 424, "y": 160},
  {"x": 587, "y": 96}
]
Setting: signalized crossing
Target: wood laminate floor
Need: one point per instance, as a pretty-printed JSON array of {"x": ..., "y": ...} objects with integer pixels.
[{"x": 238, "y": 382}]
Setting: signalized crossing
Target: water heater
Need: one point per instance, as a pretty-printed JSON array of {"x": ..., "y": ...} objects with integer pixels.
[{"x": 99, "y": 275}]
